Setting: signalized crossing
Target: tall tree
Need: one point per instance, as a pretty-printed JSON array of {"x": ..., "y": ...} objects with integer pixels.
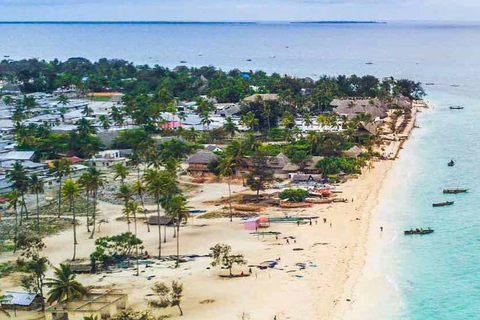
[
  {"x": 120, "y": 171},
  {"x": 37, "y": 186},
  {"x": 13, "y": 201},
  {"x": 125, "y": 193},
  {"x": 230, "y": 127},
  {"x": 226, "y": 167},
  {"x": 18, "y": 176},
  {"x": 36, "y": 268},
  {"x": 260, "y": 173},
  {"x": 70, "y": 192},
  {"x": 176, "y": 207},
  {"x": 94, "y": 180}
]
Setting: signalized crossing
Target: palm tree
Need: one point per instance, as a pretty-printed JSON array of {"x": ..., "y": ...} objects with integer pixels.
[
  {"x": 64, "y": 287},
  {"x": 104, "y": 121},
  {"x": 230, "y": 127},
  {"x": 94, "y": 180},
  {"x": 87, "y": 111},
  {"x": 249, "y": 120},
  {"x": 226, "y": 170},
  {"x": 125, "y": 193},
  {"x": 139, "y": 189},
  {"x": 120, "y": 171},
  {"x": 132, "y": 208},
  {"x": 236, "y": 151},
  {"x": 63, "y": 100},
  {"x": 3, "y": 300},
  {"x": 176, "y": 207},
  {"x": 313, "y": 139},
  {"x": 83, "y": 181},
  {"x": 59, "y": 169},
  {"x": 37, "y": 187},
  {"x": 161, "y": 185},
  {"x": 266, "y": 112},
  {"x": 18, "y": 176},
  {"x": 70, "y": 192},
  {"x": 13, "y": 201},
  {"x": 307, "y": 120}
]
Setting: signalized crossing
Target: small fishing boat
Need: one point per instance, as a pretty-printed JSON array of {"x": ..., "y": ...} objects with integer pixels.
[
  {"x": 442, "y": 204},
  {"x": 451, "y": 163},
  {"x": 456, "y": 108},
  {"x": 249, "y": 60},
  {"x": 454, "y": 191},
  {"x": 418, "y": 231},
  {"x": 369, "y": 63},
  {"x": 183, "y": 61},
  {"x": 429, "y": 84}
]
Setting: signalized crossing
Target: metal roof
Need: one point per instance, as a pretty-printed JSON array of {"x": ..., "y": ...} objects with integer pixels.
[
  {"x": 17, "y": 155},
  {"x": 19, "y": 298}
]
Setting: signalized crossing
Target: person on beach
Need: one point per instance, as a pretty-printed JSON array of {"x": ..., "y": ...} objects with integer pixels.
[
  {"x": 330, "y": 224},
  {"x": 310, "y": 221},
  {"x": 288, "y": 242},
  {"x": 381, "y": 229},
  {"x": 324, "y": 220}
]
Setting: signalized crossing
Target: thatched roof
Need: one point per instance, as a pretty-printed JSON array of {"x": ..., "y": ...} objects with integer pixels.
[
  {"x": 263, "y": 96},
  {"x": 352, "y": 107},
  {"x": 202, "y": 157},
  {"x": 306, "y": 178},
  {"x": 279, "y": 161},
  {"x": 313, "y": 162}
]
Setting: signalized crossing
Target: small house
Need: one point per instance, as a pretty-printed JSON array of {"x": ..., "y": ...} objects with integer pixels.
[
  {"x": 20, "y": 300},
  {"x": 198, "y": 164},
  {"x": 162, "y": 220}
]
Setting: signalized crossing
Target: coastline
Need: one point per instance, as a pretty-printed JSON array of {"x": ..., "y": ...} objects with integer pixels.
[{"x": 364, "y": 286}]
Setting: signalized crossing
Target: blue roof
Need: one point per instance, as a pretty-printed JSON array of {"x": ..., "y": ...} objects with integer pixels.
[{"x": 19, "y": 298}]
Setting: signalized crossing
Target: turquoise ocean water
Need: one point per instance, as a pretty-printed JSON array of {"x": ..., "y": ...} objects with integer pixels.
[{"x": 437, "y": 276}]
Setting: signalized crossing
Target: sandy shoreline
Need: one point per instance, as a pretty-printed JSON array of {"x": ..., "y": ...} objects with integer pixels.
[{"x": 317, "y": 280}]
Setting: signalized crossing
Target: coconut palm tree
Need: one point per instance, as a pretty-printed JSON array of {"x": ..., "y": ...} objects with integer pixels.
[
  {"x": 125, "y": 193},
  {"x": 249, "y": 120},
  {"x": 70, "y": 192},
  {"x": 139, "y": 189},
  {"x": 236, "y": 151},
  {"x": 18, "y": 176},
  {"x": 230, "y": 127},
  {"x": 313, "y": 139},
  {"x": 161, "y": 185},
  {"x": 63, "y": 286},
  {"x": 176, "y": 207},
  {"x": 60, "y": 168},
  {"x": 3, "y": 300},
  {"x": 37, "y": 186},
  {"x": 226, "y": 167},
  {"x": 104, "y": 121},
  {"x": 83, "y": 181},
  {"x": 94, "y": 180},
  {"x": 13, "y": 201},
  {"x": 120, "y": 171},
  {"x": 131, "y": 208}
]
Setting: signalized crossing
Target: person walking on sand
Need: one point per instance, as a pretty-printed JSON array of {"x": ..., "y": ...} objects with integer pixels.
[
  {"x": 288, "y": 242},
  {"x": 381, "y": 229},
  {"x": 324, "y": 220},
  {"x": 330, "y": 224}
]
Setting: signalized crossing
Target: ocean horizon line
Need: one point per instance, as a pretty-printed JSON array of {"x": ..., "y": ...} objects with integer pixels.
[{"x": 173, "y": 22}]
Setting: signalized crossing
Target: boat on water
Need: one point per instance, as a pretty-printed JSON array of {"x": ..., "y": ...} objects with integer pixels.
[
  {"x": 454, "y": 191},
  {"x": 183, "y": 61},
  {"x": 451, "y": 163},
  {"x": 456, "y": 108},
  {"x": 443, "y": 204},
  {"x": 418, "y": 231}
]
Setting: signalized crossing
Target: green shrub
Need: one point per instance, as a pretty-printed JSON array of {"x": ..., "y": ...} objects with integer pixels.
[{"x": 295, "y": 195}]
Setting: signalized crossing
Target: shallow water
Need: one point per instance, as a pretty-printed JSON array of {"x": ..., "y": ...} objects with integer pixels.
[{"x": 429, "y": 277}]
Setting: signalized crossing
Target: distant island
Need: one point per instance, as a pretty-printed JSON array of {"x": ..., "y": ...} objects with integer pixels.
[{"x": 338, "y": 22}]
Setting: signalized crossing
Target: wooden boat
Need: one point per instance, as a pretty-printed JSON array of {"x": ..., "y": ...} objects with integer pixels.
[
  {"x": 456, "y": 108},
  {"x": 246, "y": 207},
  {"x": 318, "y": 200},
  {"x": 442, "y": 204},
  {"x": 454, "y": 191},
  {"x": 294, "y": 205},
  {"x": 418, "y": 231},
  {"x": 451, "y": 163}
]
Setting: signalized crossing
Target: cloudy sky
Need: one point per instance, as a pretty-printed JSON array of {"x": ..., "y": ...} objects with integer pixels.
[{"x": 232, "y": 10}]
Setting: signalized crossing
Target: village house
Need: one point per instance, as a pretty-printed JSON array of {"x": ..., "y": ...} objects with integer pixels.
[
  {"x": 198, "y": 163},
  {"x": 306, "y": 179},
  {"x": 106, "y": 159},
  {"x": 352, "y": 106},
  {"x": 353, "y": 152},
  {"x": 20, "y": 301}
]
